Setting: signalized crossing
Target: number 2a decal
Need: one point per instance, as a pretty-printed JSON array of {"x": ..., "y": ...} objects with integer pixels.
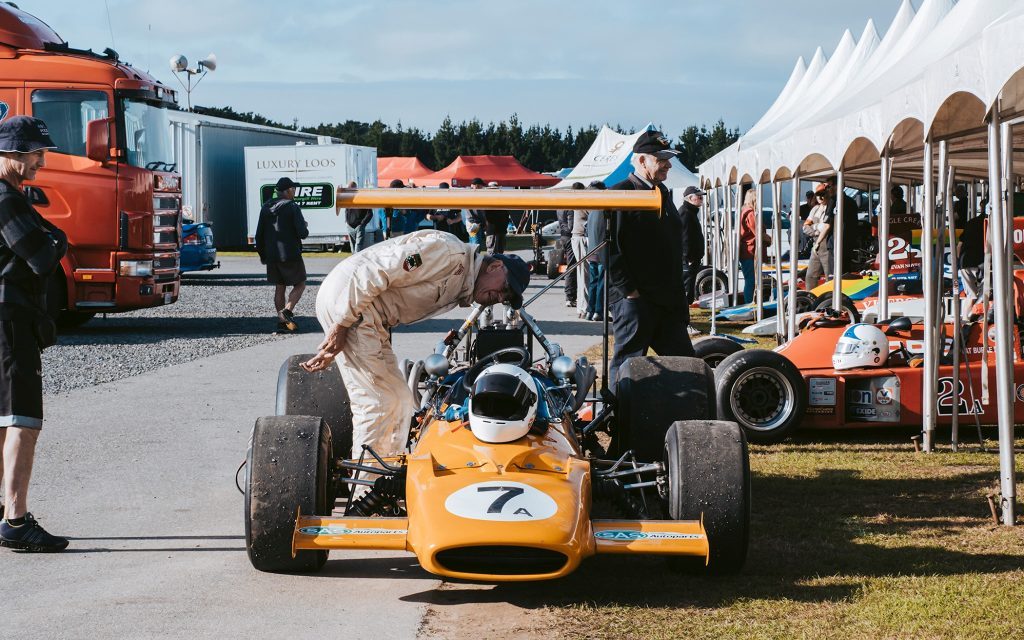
[
  {"x": 900, "y": 249},
  {"x": 502, "y": 501},
  {"x": 947, "y": 397}
]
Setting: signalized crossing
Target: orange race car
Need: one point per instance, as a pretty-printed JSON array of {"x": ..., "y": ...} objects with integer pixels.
[
  {"x": 770, "y": 393},
  {"x": 503, "y": 480}
]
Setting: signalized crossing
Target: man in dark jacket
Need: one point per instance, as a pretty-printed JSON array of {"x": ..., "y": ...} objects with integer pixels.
[
  {"x": 693, "y": 238},
  {"x": 358, "y": 220},
  {"x": 279, "y": 235},
  {"x": 645, "y": 270},
  {"x": 853, "y": 231},
  {"x": 30, "y": 252}
]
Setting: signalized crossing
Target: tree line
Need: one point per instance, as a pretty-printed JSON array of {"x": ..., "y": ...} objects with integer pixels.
[{"x": 538, "y": 147}]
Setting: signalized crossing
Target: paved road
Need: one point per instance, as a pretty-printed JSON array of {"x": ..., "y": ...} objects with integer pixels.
[{"x": 139, "y": 472}]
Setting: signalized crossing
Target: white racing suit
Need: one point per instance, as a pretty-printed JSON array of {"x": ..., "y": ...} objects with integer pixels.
[{"x": 400, "y": 281}]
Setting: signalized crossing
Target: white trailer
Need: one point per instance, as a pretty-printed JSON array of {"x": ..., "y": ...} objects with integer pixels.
[{"x": 320, "y": 169}]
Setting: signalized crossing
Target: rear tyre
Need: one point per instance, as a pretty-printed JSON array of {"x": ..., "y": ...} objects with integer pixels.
[
  {"x": 824, "y": 301},
  {"x": 709, "y": 479},
  {"x": 708, "y": 279},
  {"x": 714, "y": 349},
  {"x": 322, "y": 394},
  {"x": 287, "y": 471},
  {"x": 555, "y": 258},
  {"x": 654, "y": 392},
  {"x": 763, "y": 392}
]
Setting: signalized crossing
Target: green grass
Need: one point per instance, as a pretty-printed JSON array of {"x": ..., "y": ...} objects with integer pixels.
[{"x": 853, "y": 536}]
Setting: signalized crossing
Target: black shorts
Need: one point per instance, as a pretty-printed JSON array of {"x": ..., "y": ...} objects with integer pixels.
[
  {"x": 288, "y": 273},
  {"x": 21, "y": 375}
]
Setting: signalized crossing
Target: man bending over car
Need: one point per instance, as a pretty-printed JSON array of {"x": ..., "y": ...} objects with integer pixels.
[{"x": 400, "y": 281}]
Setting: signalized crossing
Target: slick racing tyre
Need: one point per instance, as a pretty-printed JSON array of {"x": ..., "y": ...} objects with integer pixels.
[
  {"x": 287, "y": 471},
  {"x": 763, "y": 392},
  {"x": 714, "y": 349},
  {"x": 824, "y": 301},
  {"x": 654, "y": 392},
  {"x": 709, "y": 479},
  {"x": 323, "y": 394}
]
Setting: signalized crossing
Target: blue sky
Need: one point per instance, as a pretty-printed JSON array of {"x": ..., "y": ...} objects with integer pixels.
[{"x": 572, "y": 62}]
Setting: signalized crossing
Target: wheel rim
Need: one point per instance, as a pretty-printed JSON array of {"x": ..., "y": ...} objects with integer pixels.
[
  {"x": 762, "y": 399},
  {"x": 804, "y": 303},
  {"x": 705, "y": 286}
]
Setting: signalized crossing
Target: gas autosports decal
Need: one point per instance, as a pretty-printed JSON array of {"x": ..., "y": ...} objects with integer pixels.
[
  {"x": 345, "y": 531},
  {"x": 629, "y": 536}
]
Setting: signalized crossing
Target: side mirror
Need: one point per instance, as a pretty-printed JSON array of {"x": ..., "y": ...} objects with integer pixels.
[{"x": 97, "y": 140}]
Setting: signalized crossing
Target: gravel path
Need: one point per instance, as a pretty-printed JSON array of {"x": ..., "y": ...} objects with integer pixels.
[{"x": 222, "y": 310}]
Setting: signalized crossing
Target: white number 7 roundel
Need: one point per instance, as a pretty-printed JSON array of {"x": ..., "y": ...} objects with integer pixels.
[{"x": 504, "y": 501}]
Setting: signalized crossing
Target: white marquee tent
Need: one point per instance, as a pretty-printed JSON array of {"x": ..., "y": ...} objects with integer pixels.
[{"x": 949, "y": 76}]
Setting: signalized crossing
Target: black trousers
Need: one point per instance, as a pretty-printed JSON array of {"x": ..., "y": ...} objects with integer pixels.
[
  {"x": 690, "y": 271},
  {"x": 570, "y": 277},
  {"x": 639, "y": 325}
]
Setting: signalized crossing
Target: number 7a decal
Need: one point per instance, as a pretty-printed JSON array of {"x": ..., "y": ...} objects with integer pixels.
[{"x": 503, "y": 501}]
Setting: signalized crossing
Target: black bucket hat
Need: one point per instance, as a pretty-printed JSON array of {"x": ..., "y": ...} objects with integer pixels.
[
  {"x": 517, "y": 278},
  {"x": 24, "y": 134}
]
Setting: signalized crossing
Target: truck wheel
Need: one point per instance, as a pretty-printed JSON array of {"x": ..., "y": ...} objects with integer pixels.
[
  {"x": 824, "y": 301},
  {"x": 714, "y": 349},
  {"x": 287, "y": 471},
  {"x": 654, "y": 392},
  {"x": 709, "y": 278},
  {"x": 709, "y": 479},
  {"x": 322, "y": 394},
  {"x": 763, "y": 392}
]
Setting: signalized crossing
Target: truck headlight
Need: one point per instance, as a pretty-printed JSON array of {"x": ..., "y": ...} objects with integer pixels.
[{"x": 136, "y": 268}]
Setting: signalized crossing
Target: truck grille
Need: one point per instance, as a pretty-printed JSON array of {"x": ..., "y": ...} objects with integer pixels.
[
  {"x": 501, "y": 560},
  {"x": 170, "y": 262}
]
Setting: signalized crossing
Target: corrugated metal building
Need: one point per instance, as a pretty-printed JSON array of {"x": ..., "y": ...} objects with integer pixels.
[{"x": 210, "y": 153}]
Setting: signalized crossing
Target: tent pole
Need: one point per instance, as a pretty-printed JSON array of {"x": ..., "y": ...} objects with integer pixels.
[
  {"x": 884, "y": 204},
  {"x": 949, "y": 177},
  {"x": 780, "y": 326},
  {"x": 759, "y": 252},
  {"x": 837, "y": 244},
  {"x": 714, "y": 263},
  {"x": 734, "y": 242},
  {"x": 930, "y": 382},
  {"x": 794, "y": 254},
  {"x": 999, "y": 236}
]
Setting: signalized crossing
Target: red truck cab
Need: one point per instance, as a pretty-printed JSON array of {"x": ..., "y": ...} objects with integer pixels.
[{"x": 111, "y": 184}]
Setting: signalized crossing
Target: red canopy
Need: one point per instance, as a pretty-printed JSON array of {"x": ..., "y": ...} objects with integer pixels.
[
  {"x": 505, "y": 170},
  {"x": 403, "y": 169}
]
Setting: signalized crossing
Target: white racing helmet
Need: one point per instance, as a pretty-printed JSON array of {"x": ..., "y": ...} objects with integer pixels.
[
  {"x": 503, "y": 404},
  {"x": 861, "y": 345}
]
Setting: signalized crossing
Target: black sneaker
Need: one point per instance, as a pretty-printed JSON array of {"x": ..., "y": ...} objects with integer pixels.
[
  {"x": 30, "y": 537},
  {"x": 289, "y": 315}
]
